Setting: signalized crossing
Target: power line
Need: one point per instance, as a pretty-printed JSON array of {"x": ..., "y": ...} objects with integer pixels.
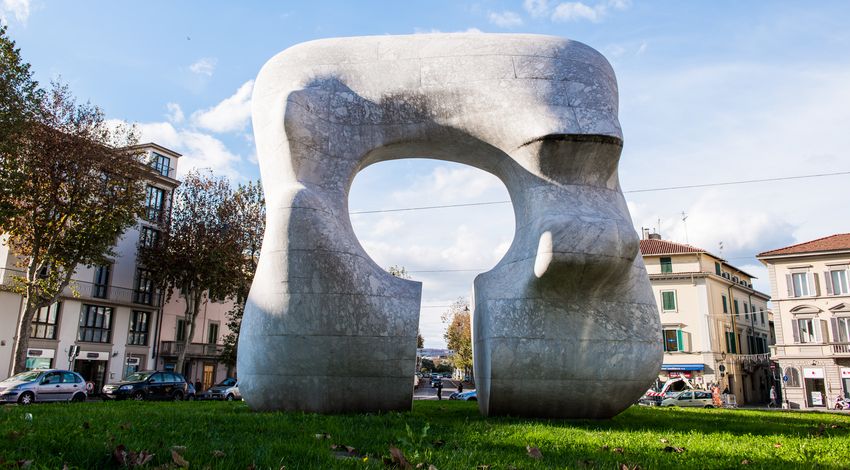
[{"x": 645, "y": 190}]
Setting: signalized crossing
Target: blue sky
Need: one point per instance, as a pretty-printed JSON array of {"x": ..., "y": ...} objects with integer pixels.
[{"x": 709, "y": 92}]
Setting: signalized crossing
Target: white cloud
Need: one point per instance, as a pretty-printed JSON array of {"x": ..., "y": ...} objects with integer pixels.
[
  {"x": 536, "y": 8},
  {"x": 199, "y": 150},
  {"x": 505, "y": 19},
  {"x": 175, "y": 113},
  {"x": 19, "y": 8},
  {"x": 231, "y": 114},
  {"x": 204, "y": 66},
  {"x": 574, "y": 11}
]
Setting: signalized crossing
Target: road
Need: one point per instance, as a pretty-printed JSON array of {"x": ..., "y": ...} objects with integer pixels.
[{"x": 426, "y": 392}]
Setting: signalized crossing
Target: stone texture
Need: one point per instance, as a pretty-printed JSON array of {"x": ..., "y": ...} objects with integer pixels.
[{"x": 564, "y": 326}]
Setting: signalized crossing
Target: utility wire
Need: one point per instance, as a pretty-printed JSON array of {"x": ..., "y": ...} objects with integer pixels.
[{"x": 646, "y": 190}]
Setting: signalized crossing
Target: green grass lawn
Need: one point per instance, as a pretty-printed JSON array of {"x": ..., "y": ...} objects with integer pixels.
[{"x": 448, "y": 435}]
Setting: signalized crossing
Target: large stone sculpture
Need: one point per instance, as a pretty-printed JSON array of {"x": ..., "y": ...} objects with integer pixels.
[{"x": 564, "y": 326}]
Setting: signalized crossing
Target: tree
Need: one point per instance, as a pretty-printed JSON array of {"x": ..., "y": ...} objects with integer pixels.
[
  {"x": 200, "y": 254},
  {"x": 250, "y": 222},
  {"x": 71, "y": 184},
  {"x": 458, "y": 334}
]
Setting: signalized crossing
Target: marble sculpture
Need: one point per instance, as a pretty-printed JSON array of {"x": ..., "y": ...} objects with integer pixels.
[{"x": 565, "y": 326}]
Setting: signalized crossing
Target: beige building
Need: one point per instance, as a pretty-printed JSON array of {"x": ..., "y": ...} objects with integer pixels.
[
  {"x": 115, "y": 317},
  {"x": 716, "y": 327},
  {"x": 811, "y": 300}
]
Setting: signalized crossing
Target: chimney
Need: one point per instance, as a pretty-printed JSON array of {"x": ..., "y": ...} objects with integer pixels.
[{"x": 654, "y": 236}]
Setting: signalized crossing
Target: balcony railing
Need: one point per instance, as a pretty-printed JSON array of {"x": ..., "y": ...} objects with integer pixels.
[
  {"x": 173, "y": 348},
  {"x": 92, "y": 291},
  {"x": 813, "y": 349}
]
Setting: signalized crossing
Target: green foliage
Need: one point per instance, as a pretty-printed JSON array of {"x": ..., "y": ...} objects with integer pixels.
[
  {"x": 446, "y": 434},
  {"x": 459, "y": 334}
]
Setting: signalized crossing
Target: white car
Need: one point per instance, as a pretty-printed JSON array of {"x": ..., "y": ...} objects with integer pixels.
[
  {"x": 690, "y": 398},
  {"x": 228, "y": 390}
]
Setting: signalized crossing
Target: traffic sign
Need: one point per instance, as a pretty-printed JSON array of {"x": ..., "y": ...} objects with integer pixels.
[{"x": 784, "y": 378}]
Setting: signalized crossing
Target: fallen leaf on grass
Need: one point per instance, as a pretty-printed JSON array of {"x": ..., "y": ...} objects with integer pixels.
[
  {"x": 819, "y": 431},
  {"x": 745, "y": 462},
  {"x": 675, "y": 449},
  {"x": 178, "y": 459},
  {"x": 129, "y": 458},
  {"x": 534, "y": 452},
  {"x": 482, "y": 467},
  {"x": 618, "y": 450},
  {"x": 344, "y": 452},
  {"x": 777, "y": 445},
  {"x": 836, "y": 426},
  {"x": 218, "y": 454},
  {"x": 12, "y": 435},
  {"x": 605, "y": 447},
  {"x": 24, "y": 463},
  {"x": 625, "y": 466},
  {"x": 663, "y": 441},
  {"x": 398, "y": 458},
  {"x": 125, "y": 426},
  {"x": 323, "y": 435}
]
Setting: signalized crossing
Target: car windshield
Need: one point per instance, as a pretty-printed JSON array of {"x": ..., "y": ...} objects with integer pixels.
[
  {"x": 138, "y": 376},
  {"x": 228, "y": 382},
  {"x": 27, "y": 376}
]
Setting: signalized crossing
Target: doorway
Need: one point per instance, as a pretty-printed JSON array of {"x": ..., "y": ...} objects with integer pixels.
[
  {"x": 208, "y": 376},
  {"x": 815, "y": 392},
  {"x": 92, "y": 371}
]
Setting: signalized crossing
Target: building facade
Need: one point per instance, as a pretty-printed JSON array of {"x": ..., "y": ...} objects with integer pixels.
[
  {"x": 811, "y": 300},
  {"x": 111, "y": 314},
  {"x": 715, "y": 326}
]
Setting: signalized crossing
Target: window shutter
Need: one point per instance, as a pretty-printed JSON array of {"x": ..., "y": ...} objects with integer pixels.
[
  {"x": 790, "y": 283},
  {"x": 687, "y": 344},
  {"x": 834, "y": 322},
  {"x": 795, "y": 328},
  {"x": 824, "y": 332},
  {"x": 827, "y": 280},
  {"x": 813, "y": 278},
  {"x": 679, "y": 340}
]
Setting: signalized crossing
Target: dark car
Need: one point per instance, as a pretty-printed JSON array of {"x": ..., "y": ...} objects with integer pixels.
[{"x": 149, "y": 385}]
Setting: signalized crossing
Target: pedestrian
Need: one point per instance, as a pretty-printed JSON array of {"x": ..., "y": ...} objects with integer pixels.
[
  {"x": 460, "y": 386},
  {"x": 772, "y": 397},
  {"x": 440, "y": 390}
]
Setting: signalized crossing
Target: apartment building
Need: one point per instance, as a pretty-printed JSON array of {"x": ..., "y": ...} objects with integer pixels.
[
  {"x": 716, "y": 327},
  {"x": 111, "y": 313},
  {"x": 811, "y": 300}
]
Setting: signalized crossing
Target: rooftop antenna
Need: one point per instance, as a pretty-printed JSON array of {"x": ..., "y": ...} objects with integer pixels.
[
  {"x": 720, "y": 249},
  {"x": 685, "y": 223}
]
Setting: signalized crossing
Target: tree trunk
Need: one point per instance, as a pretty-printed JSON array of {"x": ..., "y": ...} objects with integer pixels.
[
  {"x": 193, "y": 302},
  {"x": 22, "y": 337}
]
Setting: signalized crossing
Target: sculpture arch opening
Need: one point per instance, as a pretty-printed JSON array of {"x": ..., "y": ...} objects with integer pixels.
[
  {"x": 446, "y": 248},
  {"x": 564, "y": 314}
]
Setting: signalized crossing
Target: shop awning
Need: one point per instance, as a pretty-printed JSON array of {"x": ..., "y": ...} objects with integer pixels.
[{"x": 682, "y": 366}]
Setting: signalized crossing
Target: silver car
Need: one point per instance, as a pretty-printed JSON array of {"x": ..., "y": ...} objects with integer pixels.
[
  {"x": 43, "y": 385},
  {"x": 228, "y": 390}
]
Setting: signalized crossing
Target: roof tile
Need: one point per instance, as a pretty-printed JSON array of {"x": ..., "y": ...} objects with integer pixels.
[{"x": 839, "y": 241}]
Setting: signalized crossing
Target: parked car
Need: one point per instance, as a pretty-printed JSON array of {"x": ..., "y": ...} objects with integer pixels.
[
  {"x": 690, "y": 398},
  {"x": 149, "y": 385},
  {"x": 43, "y": 385},
  {"x": 228, "y": 390},
  {"x": 471, "y": 395}
]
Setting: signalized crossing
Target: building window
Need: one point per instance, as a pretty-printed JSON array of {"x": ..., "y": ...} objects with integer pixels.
[
  {"x": 101, "y": 282},
  {"x": 668, "y": 300},
  {"x": 793, "y": 377},
  {"x": 154, "y": 202},
  {"x": 148, "y": 237},
  {"x": 43, "y": 324},
  {"x": 799, "y": 286},
  {"x": 95, "y": 324},
  {"x": 672, "y": 340},
  {"x": 746, "y": 311},
  {"x": 836, "y": 282},
  {"x": 842, "y": 326},
  {"x": 161, "y": 164},
  {"x": 761, "y": 312},
  {"x": 731, "y": 343},
  {"x": 737, "y": 312},
  {"x": 717, "y": 269},
  {"x": 666, "y": 264},
  {"x": 138, "y": 335},
  {"x": 180, "y": 335},
  {"x": 39, "y": 363},
  {"x": 143, "y": 290},
  {"x": 212, "y": 333},
  {"x": 725, "y": 304},
  {"x": 806, "y": 328}
]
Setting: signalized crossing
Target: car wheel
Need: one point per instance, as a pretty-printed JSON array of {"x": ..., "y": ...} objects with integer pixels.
[
  {"x": 230, "y": 397},
  {"x": 709, "y": 406},
  {"x": 138, "y": 396},
  {"x": 79, "y": 397},
  {"x": 472, "y": 399},
  {"x": 178, "y": 395},
  {"x": 26, "y": 398}
]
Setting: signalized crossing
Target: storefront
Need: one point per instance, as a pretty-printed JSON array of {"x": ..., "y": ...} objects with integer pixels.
[
  {"x": 40, "y": 358},
  {"x": 815, "y": 387},
  {"x": 92, "y": 365},
  {"x": 692, "y": 372},
  {"x": 845, "y": 382}
]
